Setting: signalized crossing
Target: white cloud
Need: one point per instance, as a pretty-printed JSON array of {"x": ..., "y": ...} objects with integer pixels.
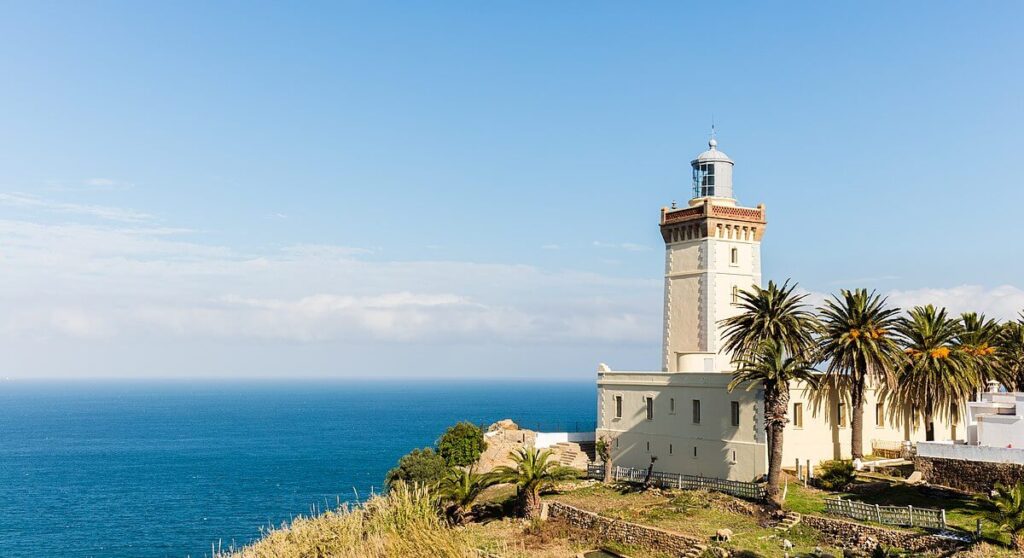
[
  {"x": 25, "y": 201},
  {"x": 627, "y": 246},
  {"x": 1002, "y": 302},
  {"x": 127, "y": 283}
]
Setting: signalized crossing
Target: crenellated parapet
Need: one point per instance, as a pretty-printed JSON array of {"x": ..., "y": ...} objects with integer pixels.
[{"x": 708, "y": 219}]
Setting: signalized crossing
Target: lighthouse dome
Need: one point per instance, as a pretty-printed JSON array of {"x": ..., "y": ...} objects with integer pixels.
[{"x": 712, "y": 154}]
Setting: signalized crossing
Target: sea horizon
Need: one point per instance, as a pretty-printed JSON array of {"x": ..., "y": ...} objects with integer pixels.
[{"x": 154, "y": 468}]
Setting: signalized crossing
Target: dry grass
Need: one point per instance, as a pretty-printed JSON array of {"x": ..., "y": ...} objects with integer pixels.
[{"x": 403, "y": 522}]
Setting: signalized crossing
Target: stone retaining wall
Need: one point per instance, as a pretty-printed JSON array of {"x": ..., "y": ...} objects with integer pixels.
[
  {"x": 973, "y": 476},
  {"x": 622, "y": 531},
  {"x": 847, "y": 534}
]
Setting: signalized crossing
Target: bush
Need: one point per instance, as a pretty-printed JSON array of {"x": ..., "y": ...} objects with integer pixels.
[
  {"x": 419, "y": 466},
  {"x": 462, "y": 444},
  {"x": 836, "y": 475}
]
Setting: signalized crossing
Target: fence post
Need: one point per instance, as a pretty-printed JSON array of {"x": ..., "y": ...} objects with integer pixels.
[
  {"x": 799, "y": 473},
  {"x": 680, "y": 481},
  {"x": 911, "y": 508},
  {"x": 878, "y": 512},
  {"x": 943, "y": 519}
]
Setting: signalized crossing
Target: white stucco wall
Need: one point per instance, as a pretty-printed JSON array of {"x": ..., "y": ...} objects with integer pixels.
[
  {"x": 949, "y": 450},
  {"x": 723, "y": 450},
  {"x": 548, "y": 439}
]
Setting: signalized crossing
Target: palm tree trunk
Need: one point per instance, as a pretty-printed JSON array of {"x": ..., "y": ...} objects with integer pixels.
[
  {"x": 857, "y": 419},
  {"x": 1017, "y": 541},
  {"x": 531, "y": 504},
  {"x": 608, "y": 468},
  {"x": 929, "y": 424},
  {"x": 776, "y": 403}
]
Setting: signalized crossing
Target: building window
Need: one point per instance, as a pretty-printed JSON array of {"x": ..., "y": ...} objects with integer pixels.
[
  {"x": 704, "y": 180},
  {"x": 696, "y": 411},
  {"x": 734, "y": 406},
  {"x": 695, "y": 451},
  {"x": 616, "y": 442},
  {"x": 841, "y": 415},
  {"x": 650, "y": 408},
  {"x": 672, "y": 406},
  {"x": 648, "y": 447},
  {"x": 618, "y": 406},
  {"x": 735, "y": 294},
  {"x": 798, "y": 415},
  {"x": 734, "y": 259},
  {"x": 879, "y": 415},
  {"x": 734, "y": 456},
  {"x": 670, "y": 449}
]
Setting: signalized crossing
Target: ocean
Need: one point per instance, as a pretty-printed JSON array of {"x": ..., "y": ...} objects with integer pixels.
[{"x": 154, "y": 469}]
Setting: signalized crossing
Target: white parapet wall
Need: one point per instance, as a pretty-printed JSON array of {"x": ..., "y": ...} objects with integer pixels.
[
  {"x": 548, "y": 439},
  {"x": 964, "y": 452}
]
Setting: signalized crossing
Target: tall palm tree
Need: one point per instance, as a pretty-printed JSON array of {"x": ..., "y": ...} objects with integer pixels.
[
  {"x": 773, "y": 313},
  {"x": 980, "y": 338},
  {"x": 1011, "y": 352},
  {"x": 458, "y": 489},
  {"x": 773, "y": 369},
  {"x": 859, "y": 345},
  {"x": 936, "y": 376},
  {"x": 534, "y": 473},
  {"x": 1006, "y": 509}
]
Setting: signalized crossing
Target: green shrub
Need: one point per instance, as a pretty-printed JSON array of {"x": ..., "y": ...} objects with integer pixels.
[
  {"x": 462, "y": 444},
  {"x": 418, "y": 467},
  {"x": 836, "y": 475}
]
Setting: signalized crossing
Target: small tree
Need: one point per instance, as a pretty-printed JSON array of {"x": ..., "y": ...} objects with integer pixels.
[
  {"x": 534, "y": 473},
  {"x": 603, "y": 449},
  {"x": 1007, "y": 511},
  {"x": 462, "y": 444},
  {"x": 459, "y": 489},
  {"x": 418, "y": 467}
]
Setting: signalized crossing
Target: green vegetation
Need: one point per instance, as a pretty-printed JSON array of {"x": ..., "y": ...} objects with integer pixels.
[
  {"x": 419, "y": 466},
  {"x": 772, "y": 338},
  {"x": 937, "y": 375},
  {"x": 462, "y": 444},
  {"x": 836, "y": 475},
  {"x": 1007, "y": 512},
  {"x": 858, "y": 343},
  {"x": 459, "y": 489},
  {"x": 534, "y": 473}
]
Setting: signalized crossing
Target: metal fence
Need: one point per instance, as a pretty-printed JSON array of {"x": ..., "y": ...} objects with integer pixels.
[
  {"x": 749, "y": 490},
  {"x": 907, "y": 516}
]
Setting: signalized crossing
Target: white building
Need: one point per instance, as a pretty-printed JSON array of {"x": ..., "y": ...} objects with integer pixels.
[{"x": 683, "y": 414}]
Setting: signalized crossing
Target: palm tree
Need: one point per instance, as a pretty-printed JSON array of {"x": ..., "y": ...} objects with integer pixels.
[
  {"x": 774, "y": 313},
  {"x": 773, "y": 369},
  {"x": 1007, "y": 511},
  {"x": 936, "y": 376},
  {"x": 858, "y": 343},
  {"x": 534, "y": 473},
  {"x": 980, "y": 338},
  {"x": 1011, "y": 352},
  {"x": 458, "y": 489}
]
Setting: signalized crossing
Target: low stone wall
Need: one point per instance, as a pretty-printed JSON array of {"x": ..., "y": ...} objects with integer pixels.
[
  {"x": 973, "y": 476},
  {"x": 624, "y": 532},
  {"x": 847, "y": 534}
]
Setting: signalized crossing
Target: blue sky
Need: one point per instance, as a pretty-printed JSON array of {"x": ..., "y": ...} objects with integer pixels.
[{"x": 472, "y": 189}]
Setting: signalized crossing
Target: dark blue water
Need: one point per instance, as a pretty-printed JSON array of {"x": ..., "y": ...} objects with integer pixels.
[{"x": 166, "y": 469}]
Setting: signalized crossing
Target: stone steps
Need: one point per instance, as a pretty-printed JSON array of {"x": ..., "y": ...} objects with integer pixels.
[
  {"x": 695, "y": 551},
  {"x": 787, "y": 523}
]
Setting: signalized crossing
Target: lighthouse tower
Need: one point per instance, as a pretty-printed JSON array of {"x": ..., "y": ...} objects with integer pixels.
[{"x": 712, "y": 252}]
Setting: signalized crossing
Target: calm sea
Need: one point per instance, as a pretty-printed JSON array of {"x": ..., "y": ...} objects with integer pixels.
[{"x": 167, "y": 469}]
